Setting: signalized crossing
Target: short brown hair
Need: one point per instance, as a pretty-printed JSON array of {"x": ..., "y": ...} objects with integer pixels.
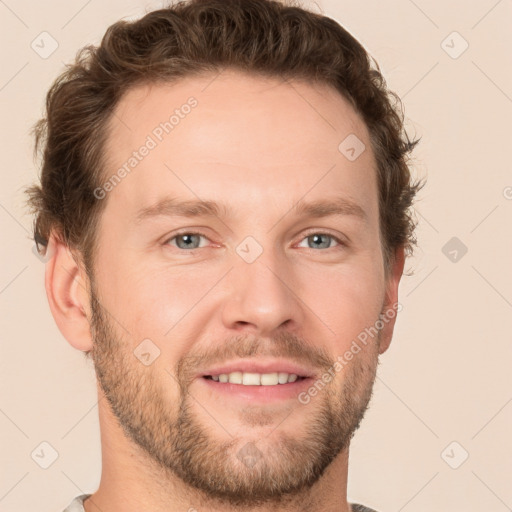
[{"x": 262, "y": 37}]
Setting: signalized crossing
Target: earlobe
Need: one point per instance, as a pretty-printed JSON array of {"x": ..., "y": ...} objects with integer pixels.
[
  {"x": 391, "y": 303},
  {"x": 66, "y": 289}
]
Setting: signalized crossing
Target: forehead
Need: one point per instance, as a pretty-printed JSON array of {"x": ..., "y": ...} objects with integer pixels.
[{"x": 238, "y": 136}]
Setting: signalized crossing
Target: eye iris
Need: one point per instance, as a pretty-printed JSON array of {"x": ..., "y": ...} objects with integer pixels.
[
  {"x": 318, "y": 237},
  {"x": 188, "y": 237}
]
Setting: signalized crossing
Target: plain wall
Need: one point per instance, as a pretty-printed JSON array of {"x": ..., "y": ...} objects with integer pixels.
[{"x": 446, "y": 377}]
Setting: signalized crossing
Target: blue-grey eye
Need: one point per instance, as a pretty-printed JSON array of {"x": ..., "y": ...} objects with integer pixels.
[
  {"x": 187, "y": 240},
  {"x": 321, "y": 241}
]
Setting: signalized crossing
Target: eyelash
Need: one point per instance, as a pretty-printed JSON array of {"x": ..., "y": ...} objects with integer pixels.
[{"x": 341, "y": 243}]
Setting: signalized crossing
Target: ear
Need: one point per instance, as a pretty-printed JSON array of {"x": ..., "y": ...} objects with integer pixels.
[
  {"x": 391, "y": 304},
  {"x": 66, "y": 288}
]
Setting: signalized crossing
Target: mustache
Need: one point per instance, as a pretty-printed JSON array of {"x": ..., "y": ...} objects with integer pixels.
[{"x": 282, "y": 345}]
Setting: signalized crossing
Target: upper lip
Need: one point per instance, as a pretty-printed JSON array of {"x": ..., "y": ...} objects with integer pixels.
[{"x": 259, "y": 366}]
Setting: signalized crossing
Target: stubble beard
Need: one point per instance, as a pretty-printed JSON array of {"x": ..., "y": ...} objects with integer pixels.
[{"x": 240, "y": 472}]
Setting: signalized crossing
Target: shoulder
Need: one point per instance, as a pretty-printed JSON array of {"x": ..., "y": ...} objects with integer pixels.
[
  {"x": 361, "y": 508},
  {"x": 77, "y": 505}
]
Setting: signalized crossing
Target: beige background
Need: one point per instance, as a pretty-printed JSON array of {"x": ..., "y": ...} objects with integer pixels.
[{"x": 446, "y": 376}]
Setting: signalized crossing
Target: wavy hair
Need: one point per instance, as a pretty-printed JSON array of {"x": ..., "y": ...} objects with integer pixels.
[{"x": 263, "y": 37}]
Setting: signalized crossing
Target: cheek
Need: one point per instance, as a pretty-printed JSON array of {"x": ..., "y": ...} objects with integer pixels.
[
  {"x": 347, "y": 300},
  {"x": 157, "y": 302},
  {"x": 163, "y": 303}
]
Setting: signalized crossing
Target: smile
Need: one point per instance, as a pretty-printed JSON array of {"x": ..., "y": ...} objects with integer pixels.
[{"x": 255, "y": 379}]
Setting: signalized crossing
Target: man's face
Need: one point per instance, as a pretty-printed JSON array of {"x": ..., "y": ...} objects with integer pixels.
[{"x": 259, "y": 288}]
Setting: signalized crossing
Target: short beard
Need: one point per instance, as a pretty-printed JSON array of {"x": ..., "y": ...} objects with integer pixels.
[{"x": 240, "y": 472}]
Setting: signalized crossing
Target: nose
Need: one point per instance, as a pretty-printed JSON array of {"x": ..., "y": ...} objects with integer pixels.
[{"x": 262, "y": 297}]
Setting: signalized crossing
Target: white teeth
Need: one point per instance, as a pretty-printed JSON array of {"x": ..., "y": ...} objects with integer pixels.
[
  {"x": 256, "y": 379},
  {"x": 236, "y": 378},
  {"x": 251, "y": 379},
  {"x": 282, "y": 378},
  {"x": 269, "y": 379}
]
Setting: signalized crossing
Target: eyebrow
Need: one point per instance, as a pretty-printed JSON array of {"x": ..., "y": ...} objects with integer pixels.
[
  {"x": 170, "y": 206},
  {"x": 326, "y": 207}
]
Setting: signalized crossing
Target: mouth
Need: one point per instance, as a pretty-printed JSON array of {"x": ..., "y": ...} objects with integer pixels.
[
  {"x": 256, "y": 379},
  {"x": 257, "y": 382}
]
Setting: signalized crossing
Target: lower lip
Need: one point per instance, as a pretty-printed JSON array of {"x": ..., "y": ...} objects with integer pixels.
[{"x": 259, "y": 394}]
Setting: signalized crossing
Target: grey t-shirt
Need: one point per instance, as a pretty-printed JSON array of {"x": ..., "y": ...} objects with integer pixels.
[{"x": 77, "y": 505}]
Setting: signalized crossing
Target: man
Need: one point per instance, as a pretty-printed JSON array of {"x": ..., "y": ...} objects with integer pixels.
[{"x": 225, "y": 201}]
